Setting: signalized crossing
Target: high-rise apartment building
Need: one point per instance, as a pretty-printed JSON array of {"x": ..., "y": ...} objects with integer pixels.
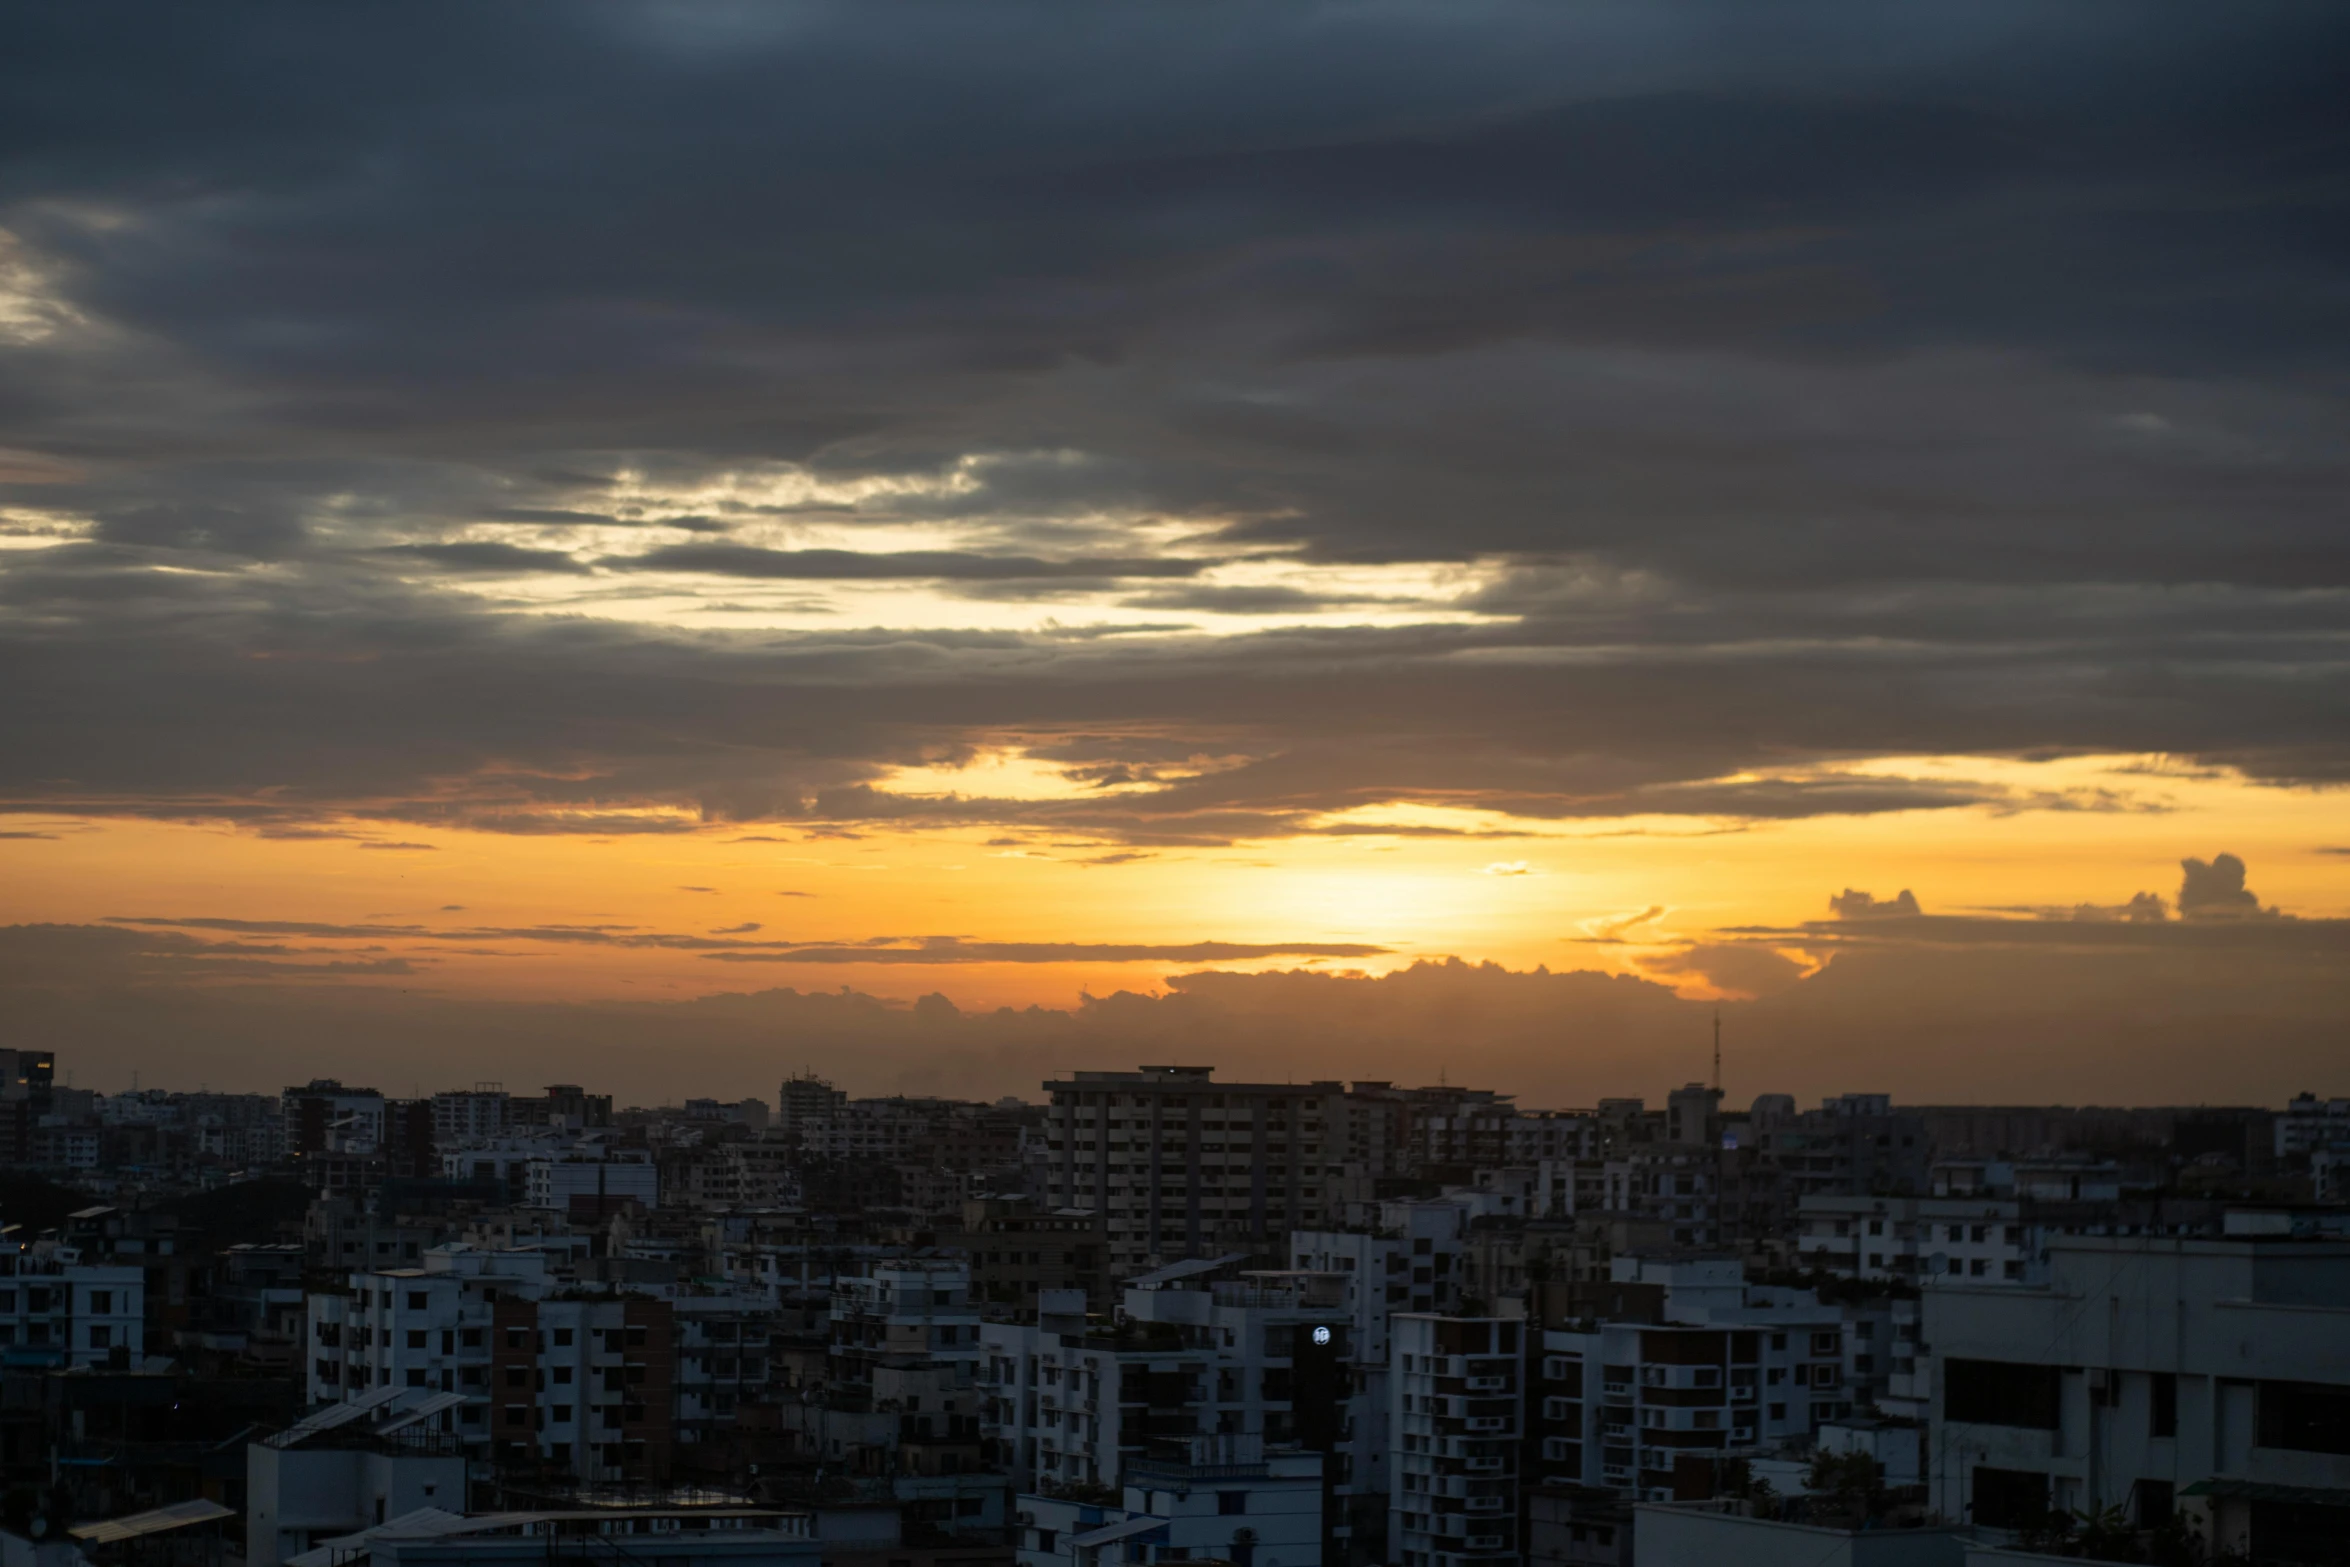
[
  {"x": 1181, "y": 1166},
  {"x": 1456, "y": 1426}
]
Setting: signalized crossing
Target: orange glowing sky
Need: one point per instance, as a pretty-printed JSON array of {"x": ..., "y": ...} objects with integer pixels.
[{"x": 1579, "y": 898}]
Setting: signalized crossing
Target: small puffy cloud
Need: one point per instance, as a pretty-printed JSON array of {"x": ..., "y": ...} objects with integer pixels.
[
  {"x": 2215, "y": 890},
  {"x": 1855, "y": 905},
  {"x": 1509, "y": 868},
  {"x": 1732, "y": 968}
]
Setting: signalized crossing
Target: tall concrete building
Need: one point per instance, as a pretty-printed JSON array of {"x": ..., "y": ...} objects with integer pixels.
[
  {"x": 1457, "y": 1424},
  {"x": 1181, "y": 1166}
]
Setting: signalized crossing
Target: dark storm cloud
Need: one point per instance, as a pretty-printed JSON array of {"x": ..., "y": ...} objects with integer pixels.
[{"x": 1866, "y": 382}]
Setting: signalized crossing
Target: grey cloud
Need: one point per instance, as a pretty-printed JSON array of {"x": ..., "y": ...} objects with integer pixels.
[
  {"x": 1749, "y": 971},
  {"x": 486, "y": 556},
  {"x": 1244, "y": 600},
  {"x": 944, "y": 949},
  {"x": 2215, "y": 890},
  {"x": 1852, "y": 905},
  {"x": 1864, "y": 385},
  {"x": 742, "y": 560}
]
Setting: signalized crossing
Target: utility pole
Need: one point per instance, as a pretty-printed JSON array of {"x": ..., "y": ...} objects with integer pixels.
[{"x": 1717, "y": 1047}]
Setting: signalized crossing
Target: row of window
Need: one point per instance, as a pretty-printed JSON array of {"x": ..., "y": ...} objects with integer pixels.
[
  {"x": 98, "y": 1303},
  {"x": 37, "y": 1334}
]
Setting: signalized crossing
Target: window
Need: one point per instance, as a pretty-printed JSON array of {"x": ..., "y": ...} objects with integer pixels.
[
  {"x": 101, "y": 1338},
  {"x": 1229, "y": 1503},
  {"x": 419, "y": 1300},
  {"x": 562, "y": 1338},
  {"x": 2163, "y": 1411},
  {"x": 2152, "y": 1503},
  {"x": 416, "y": 1338},
  {"x": 2001, "y": 1393},
  {"x": 101, "y": 1303},
  {"x": 2305, "y": 1417},
  {"x": 2010, "y": 1498},
  {"x": 560, "y": 1414},
  {"x": 517, "y": 1414}
]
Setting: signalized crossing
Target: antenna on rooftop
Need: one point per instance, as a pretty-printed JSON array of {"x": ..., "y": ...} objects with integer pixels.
[{"x": 1717, "y": 1047}]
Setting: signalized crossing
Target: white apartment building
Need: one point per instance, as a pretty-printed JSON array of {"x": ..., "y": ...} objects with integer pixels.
[
  {"x": 2059, "y": 1179},
  {"x": 1456, "y": 1422},
  {"x": 1723, "y": 1367},
  {"x": 1262, "y": 1356},
  {"x": 1921, "y": 1239},
  {"x": 1230, "y": 1501},
  {"x": 606, "y": 1175},
  {"x": 465, "y": 1117},
  {"x": 2310, "y": 1124},
  {"x": 2153, "y": 1373},
  {"x": 586, "y": 1384},
  {"x": 1182, "y": 1166},
  {"x": 1674, "y": 1184},
  {"x": 344, "y": 1469},
  {"x": 60, "y": 1313}
]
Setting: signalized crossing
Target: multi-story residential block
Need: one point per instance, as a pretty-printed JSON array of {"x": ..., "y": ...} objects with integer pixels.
[
  {"x": 2310, "y": 1124},
  {"x": 2153, "y": 1374},
  {"x": 1852, "y": 1143},
  {"x": 2059, "y": 1178},
  {"x": 536, "y": 1380},
  {"x": 1068, "y": 1403},
  {"x": 1018, "y": 1249},
  {"x": 323, "y": 1116},
  {"x": 1915, "y": 1239},
  {"x": 1677, "y": 1185},
  {"x": 805, "y": 1101},
  {"x": 600, "y": 1177},
  {"x": 1685, "y": 1363},
  {"x": 1456, "y": 1426},
  {"x": 1181, "y": 1166},
  {"x": 464, "y": 1117},
  {"x": 1230, "y": 1501},
  {"x": 564, "y": 1107},
  {"x": 893, "y": 1413},
  {"x": 1258, "y": 1355},
  {"x": 55, "y": 1312}
]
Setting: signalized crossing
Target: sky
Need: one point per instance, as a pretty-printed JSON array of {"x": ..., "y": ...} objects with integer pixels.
[{"x": 1354, "y": 539}]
